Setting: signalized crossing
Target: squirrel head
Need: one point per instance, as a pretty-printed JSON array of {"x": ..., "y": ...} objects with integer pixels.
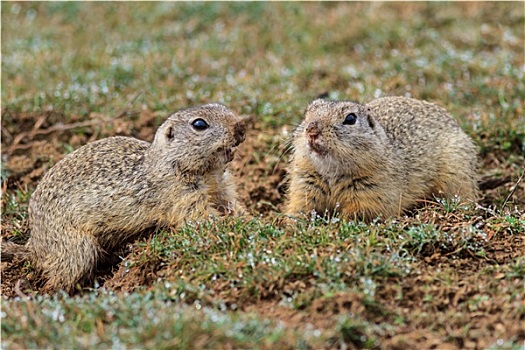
[
  {"x": 197, "y": 140},
  {"x": 339, "y": 137}
]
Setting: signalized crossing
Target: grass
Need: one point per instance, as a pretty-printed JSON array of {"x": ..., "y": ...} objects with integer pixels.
[
  {"x": 447, "y": 275},
  {"x": 250, "y": 260},
  {"x": 104, "y": 319}
]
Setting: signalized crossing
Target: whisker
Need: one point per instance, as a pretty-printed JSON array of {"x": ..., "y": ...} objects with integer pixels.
[{"x": 287, "y": 150}]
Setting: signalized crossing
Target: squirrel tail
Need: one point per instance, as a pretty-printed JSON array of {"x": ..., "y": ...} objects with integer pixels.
[{"x": 11, "y": 250}]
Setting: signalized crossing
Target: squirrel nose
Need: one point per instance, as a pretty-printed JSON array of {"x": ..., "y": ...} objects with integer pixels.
[
  {"x": 313, "y": 129},
  {"x": 239, "y": 133}
]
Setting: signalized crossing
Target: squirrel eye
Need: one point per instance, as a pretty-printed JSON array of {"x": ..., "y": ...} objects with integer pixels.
[
  {"x": 200, "y": 124},
  {"x": 350, "y": 119}
]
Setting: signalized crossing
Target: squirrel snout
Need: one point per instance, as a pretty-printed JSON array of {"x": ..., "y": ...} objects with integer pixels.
[
  {"x": 239, "y": 133},
  {"x": 313, "y": 129}
]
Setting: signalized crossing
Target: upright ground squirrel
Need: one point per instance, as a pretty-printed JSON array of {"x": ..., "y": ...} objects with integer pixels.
[
  {"x": 378, "y": 158},
  {"x": 110, "y": 191}
]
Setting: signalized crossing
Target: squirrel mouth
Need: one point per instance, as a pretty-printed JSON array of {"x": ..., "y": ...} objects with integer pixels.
[
  {"x": 226, "y": 153},
  {"x": 316, "y": 146}
]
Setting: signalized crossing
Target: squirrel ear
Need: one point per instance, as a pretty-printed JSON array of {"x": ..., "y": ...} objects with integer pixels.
[
  {"x": 170, "y": 134},
  {"x": 369, "y": 117},
  {"x": 371, "y": 121}
]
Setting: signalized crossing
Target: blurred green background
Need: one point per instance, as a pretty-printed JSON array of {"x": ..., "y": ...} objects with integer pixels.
[{"x": 264, "y": 59}]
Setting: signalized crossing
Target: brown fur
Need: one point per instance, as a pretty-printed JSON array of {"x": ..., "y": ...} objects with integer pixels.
[
  {"x": 109, "y": 191},
  {"x": 399, "y": 151}
]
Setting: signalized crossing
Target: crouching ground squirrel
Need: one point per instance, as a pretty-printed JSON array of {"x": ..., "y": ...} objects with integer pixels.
[
  {"x": 379, "y": 158},
  {"x": 110, "y": 191}
]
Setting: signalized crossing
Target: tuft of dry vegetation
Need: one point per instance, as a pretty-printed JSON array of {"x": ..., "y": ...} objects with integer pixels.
[{"x": 447, "y": 276}]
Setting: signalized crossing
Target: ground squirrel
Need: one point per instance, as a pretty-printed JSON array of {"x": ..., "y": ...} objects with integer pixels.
[
  {"x": 379, "y": 158},
  {"x": 109, "y": 191}
]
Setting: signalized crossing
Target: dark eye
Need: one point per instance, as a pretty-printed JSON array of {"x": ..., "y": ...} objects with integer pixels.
[
  {"x": 200, "y": 124},
  {"x": 350, "y": 119}
]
